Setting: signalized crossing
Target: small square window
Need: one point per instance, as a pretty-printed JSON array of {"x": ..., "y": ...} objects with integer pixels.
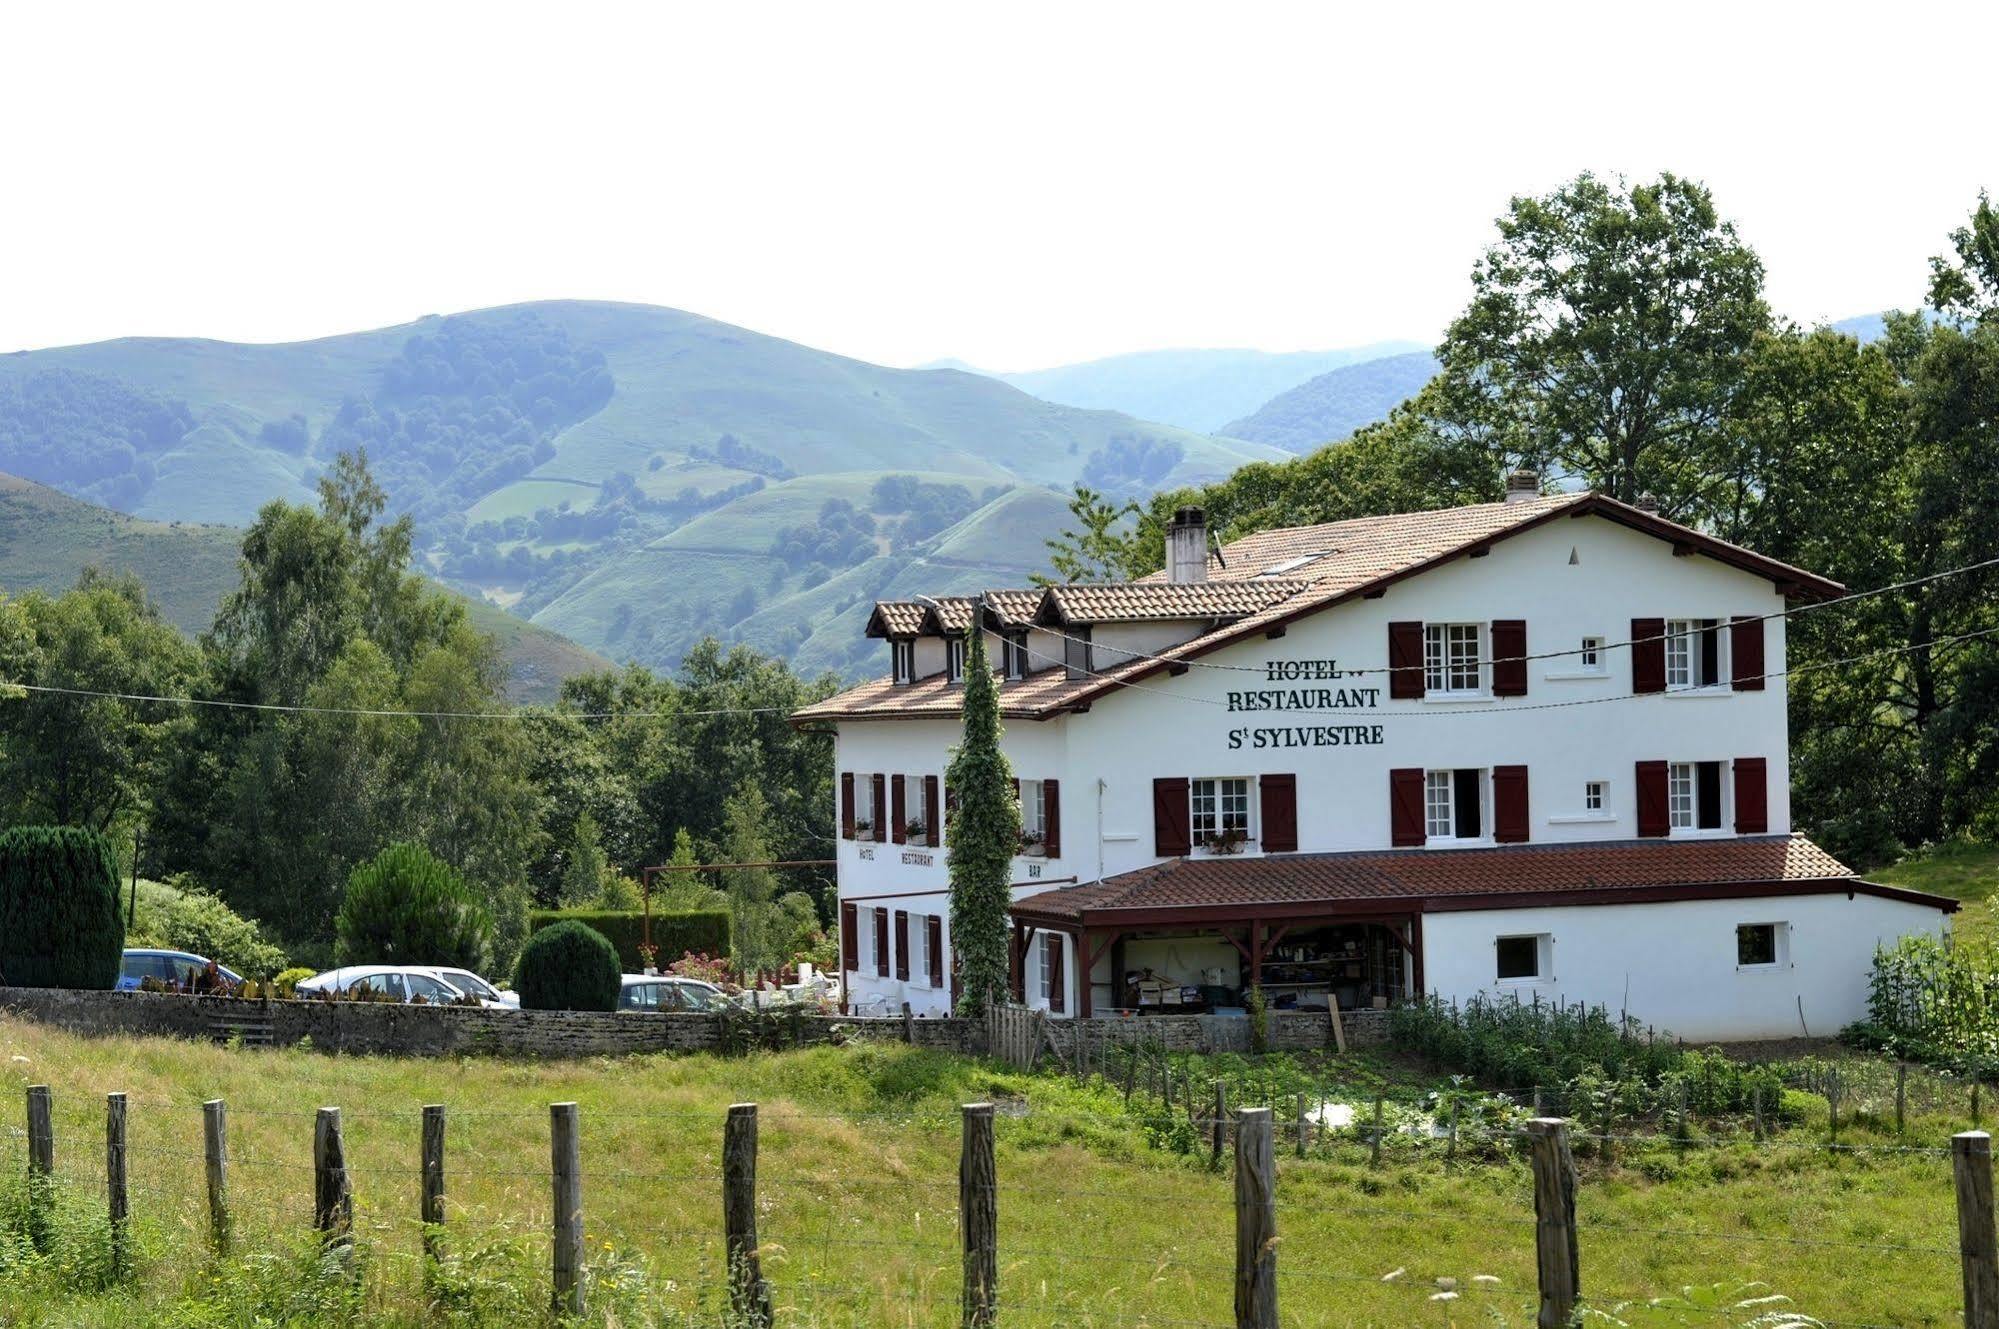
[
  {"x": 1591, "y": 655},
  {"x": 1519, "y": 957},
  {"x": 1755, "y": 945},
  {"x": 1596, "y": 795}
]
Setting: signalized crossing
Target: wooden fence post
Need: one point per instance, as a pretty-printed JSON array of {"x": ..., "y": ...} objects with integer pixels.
[
  {"x": 1451, "y": 1144},
  {"x": 41, "y": 1162},
  {"x": 1556, "y": 1257},
  {"x": 433, "y": 1178},
  {"x": 565, "y": 1157},
  {"x": 978, "y": 1217},
  {"x": 1255, "y": 1221},
  {"x": 1374, "y": 1148},
  {"x": 117, "y": 1199},
  {"x": 1971, "y": 1168},
  {"x": 1219, "y": 1128},
  {"x": 1756, "y": 1105},
  {"x": 215, "y": 1159},
  {"x": 749, "y": 1295},
  {"x": 1901, "y": 1095},
  {"x": 908, "y": 1024},
  {"x": 1304, "y": 1125},
  {"x": 332, "y": 1195}
]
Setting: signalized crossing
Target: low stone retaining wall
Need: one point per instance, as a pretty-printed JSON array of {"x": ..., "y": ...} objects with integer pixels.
[{"x": 388, "y": 1027}]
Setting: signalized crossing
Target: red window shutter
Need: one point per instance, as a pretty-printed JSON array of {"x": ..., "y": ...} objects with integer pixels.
[
  {"x": 881, "y": 807},
  {"x": 1745, "y": 655},
  {"x": 1405, "y": 660},
  {"x": 1752, "y": 796},
  {"x": 1051, "y": 818},
  {"x": 1057, "y": 997},
  {"x": 1648, "y": 655},
  {"x": 934, "y": 951},
  {"x": 850, "y": 939},
  {"x": 846, "y": 805},
  {"x": 1406, "y": 824},
  {"x": 898, "y": 801},
  {"x": 902, "y": 944},
  {"x": 1171, "y": 835},
  {"x": 881, "y": 943},
  {"x": 1509, "y": 804},
  {"x": 932, "y": 822},
  {"x": 1280, "y": 813},
  {"x": 1509, "y": 657},
  {"x": 1655, "y": 816}
]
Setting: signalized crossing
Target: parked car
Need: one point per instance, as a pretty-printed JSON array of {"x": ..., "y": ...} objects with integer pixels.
[
  {"x": 179, "y": 968},
  {"x": 474, "y": 986},
  {"x": 398, "y": 982},
  {"x": 664, "y": 992}
]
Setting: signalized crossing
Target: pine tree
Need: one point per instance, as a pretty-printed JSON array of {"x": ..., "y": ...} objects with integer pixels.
[
  {"x": 983, "y": 836},
  {"x": 754, "y": 938}
]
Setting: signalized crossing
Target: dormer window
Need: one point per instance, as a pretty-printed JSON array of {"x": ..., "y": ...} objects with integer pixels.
[
  {"x": 903, "y": 654},
  {"x": 1015, "y": 647},
  {"x": 1076, "y": 651},
  {"x": 954, "y": 659}
]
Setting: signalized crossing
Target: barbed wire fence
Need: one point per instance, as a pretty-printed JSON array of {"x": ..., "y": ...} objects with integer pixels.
[{"x": 768, "y": 1263}]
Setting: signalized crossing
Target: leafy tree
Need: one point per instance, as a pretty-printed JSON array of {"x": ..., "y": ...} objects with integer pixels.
[
  {"x": 758, "y": 943},
  {"x": 1965, "y": 283},
  {"x": 568, "y": 966},
  {"x": 83, "y": 760},
  {"x": 407, "y": 906},
  {"x": 1097, "y": 547},
  {"x": 583, "y": 875},
  {"x": 1605, "y": 336},
  {"x": 983, "y": 834},
  {"x": 60, "y": 924}
]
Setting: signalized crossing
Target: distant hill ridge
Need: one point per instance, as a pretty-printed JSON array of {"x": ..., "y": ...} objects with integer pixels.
[{"x": 552, "y": 451}]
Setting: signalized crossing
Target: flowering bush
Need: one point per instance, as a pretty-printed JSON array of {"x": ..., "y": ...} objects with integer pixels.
[{"x": 708, "y": 968}]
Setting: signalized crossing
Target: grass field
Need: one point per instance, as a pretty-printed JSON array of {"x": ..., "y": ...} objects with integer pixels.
[
  {"x": 1964, "y": 870},
  {"x": 1099, "y": 1225}
]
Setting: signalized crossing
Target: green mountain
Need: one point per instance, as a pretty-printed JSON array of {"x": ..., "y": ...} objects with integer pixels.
[
  {"x": 47, "y": 539},
  {"x": 1336, "y": 403},
  {"x": 1194, "y": 389},
  {"x": 631, "y": 476}
]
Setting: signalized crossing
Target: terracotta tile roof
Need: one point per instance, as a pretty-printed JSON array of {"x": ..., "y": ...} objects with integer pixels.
[
  {"x": 1139, "y": 600},
  {"x": 1349, "y": 558},
  {"x": 1457, "y": 878},
  {"x": 896, "y": 618},
  {"x": 932, "y": 698}
]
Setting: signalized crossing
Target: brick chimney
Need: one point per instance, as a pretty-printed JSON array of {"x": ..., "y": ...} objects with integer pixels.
[
  {"x": 1187, "y": 546},
  {"x": 1523, "y": 486}
]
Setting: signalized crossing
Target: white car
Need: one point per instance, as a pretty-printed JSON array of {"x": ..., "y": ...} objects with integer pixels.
[
  {"x": 399, "y": 982},
  {"x": 474, "y": 986},
  {"x": 665, "y": 992}
]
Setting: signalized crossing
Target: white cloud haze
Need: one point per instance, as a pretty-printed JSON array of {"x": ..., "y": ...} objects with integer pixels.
[{"x": 1017, "y": 184}]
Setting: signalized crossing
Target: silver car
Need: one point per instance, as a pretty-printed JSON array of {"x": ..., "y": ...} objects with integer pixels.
[
  {"x": 397, "y": 982},
  {"x": 664, "y": 992}
]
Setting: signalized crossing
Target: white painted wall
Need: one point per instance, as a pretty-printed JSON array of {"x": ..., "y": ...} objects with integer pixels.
[
  {"x": 1183, "y": 726},
  {"x": 1672, "y": 965}
]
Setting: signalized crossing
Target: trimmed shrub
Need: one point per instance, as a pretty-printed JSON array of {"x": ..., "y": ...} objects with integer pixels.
[
  {"x": 60, "y": 924},
  {"x": 673, "y": 934},
  {"x": 407, "y": 906},
  {"x": 568, "y": 967}
]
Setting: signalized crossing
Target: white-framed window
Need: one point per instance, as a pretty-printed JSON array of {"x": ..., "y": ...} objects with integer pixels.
[
  {"x": 1015, "y": 651},
  {"x": 1453, "y": 803},
  {"x": 864, "y": 801},
  {"x": 864, "y": 945},
  {"x": 919, "y": 950},
  {"x": 1693, "y": 795},
  {"x": 903, "y": 654},
  {"x": 1694, "y": 648},
  {"x": 1033, "y": 814},
  {"x": 1451, "y": 653},
  {"x": 1527, "y": 958},
  {"x": 1760, "y": 945},
  {"x": 1596, "y": 795},
  {"x": 954, "y": 658},
  {"x": 1051, "y": 944},
  {"x": 915, "y": 813},
  {"x": 1218, "y": 808},
  {"x": 1589, "y": 659}
]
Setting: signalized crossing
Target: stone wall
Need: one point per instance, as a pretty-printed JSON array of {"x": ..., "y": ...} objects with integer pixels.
[{"x": 387, "y": 1027}]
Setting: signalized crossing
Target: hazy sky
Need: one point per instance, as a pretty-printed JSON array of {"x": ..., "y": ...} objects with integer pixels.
[{"x": 1015, "y": 184}]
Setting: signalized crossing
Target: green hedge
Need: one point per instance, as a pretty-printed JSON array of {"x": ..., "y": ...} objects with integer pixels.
[
  {"x": 60, "y": 921},
  {"x": 675, "y": 934}
]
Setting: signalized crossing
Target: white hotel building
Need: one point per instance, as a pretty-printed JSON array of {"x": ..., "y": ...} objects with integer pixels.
[{"x": 1533, "y": 747}]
